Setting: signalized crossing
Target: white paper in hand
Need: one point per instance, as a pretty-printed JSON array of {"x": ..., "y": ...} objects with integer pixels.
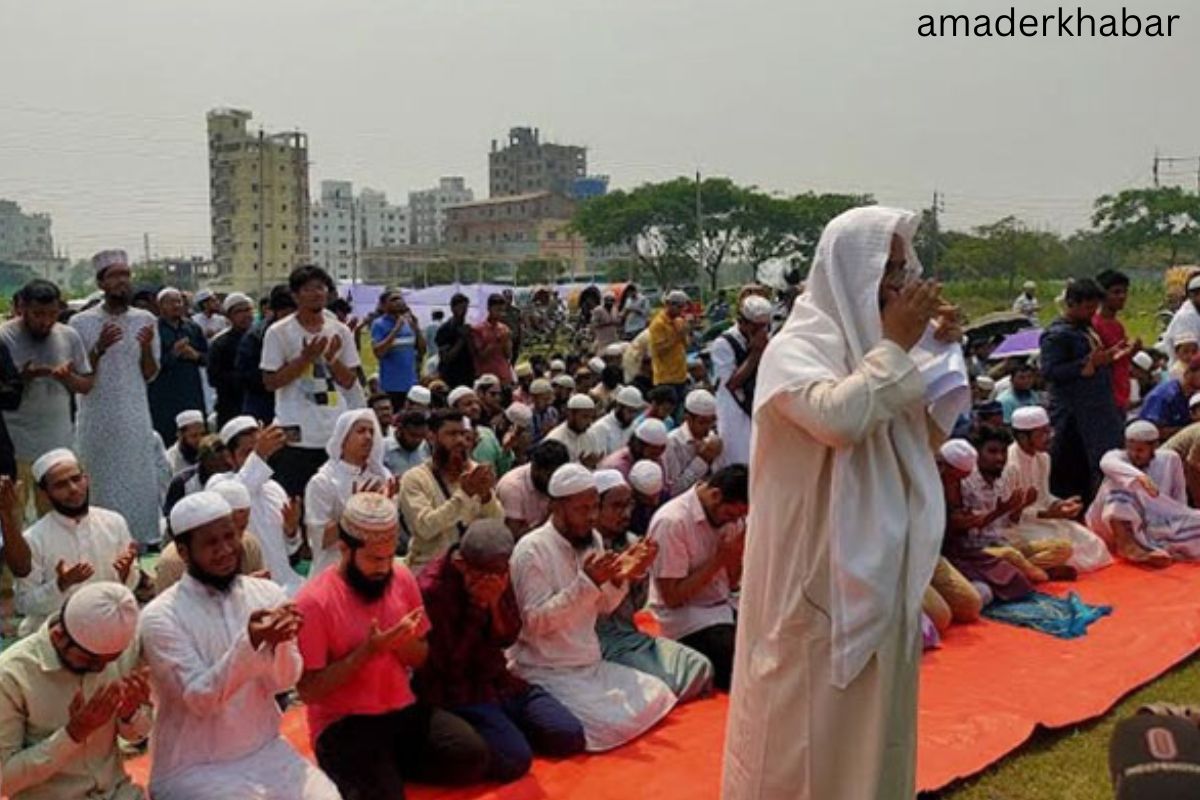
[{"x": 944, "y": 370}]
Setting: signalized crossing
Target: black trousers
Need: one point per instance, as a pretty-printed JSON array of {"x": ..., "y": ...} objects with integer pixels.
[
  {"x": 716, "y": 643},
  {"x": 371, "y": 757}
]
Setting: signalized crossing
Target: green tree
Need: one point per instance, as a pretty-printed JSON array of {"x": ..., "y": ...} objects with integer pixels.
[
  {"x": 14, "y": 276},
  {"x": 539, "y": 270},
  {"x": 149, "y": 276},
  {"x": 82, "y": 279},
  {"x": 789, "y": 227},
  {"x": 1136, "y": 220},
  {"x": 1003, "y": 249}
]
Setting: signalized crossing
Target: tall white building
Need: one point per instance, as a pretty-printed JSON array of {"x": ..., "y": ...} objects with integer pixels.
[
  {"x": 24, "y": 237},
  {"x": 342, "y": 226},
  {"x": 427, "y": 209}
]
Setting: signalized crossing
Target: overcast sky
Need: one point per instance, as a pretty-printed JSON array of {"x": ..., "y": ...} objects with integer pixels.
[{"x": 102, "y": 104}]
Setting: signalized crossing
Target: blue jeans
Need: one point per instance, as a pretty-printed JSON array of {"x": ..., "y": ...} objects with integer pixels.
[{"x": 518, "y": 726}]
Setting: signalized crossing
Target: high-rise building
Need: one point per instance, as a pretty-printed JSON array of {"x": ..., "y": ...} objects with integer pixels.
[
  {"x": 427, "y": 209},
  {"x": 258, "y": 200},
  {"x": 526, "y": 165},
  {"x": 24, "y": 237},
  {"x": 343, "y": 226}
]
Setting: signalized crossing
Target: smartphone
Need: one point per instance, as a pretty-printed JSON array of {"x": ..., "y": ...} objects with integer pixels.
[{"x": 291, "y": 434}]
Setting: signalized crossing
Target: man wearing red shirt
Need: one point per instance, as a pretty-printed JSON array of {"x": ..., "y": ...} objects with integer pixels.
[
  {"x": 491, "y": 342},
  {"x": 1112, "y": 332}
]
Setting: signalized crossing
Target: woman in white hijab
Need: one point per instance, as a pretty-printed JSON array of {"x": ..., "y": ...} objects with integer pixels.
[
  {"x": 355, "y": 464},
  {"x": 846, "y": 520}
]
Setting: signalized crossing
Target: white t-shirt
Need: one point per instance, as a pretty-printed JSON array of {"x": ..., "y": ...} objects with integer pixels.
[{"x": 314, "y": 400}]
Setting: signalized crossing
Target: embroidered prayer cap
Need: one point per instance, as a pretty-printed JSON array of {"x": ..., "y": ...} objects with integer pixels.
[
  {"x": 109, "y": 258},
  {"x": 631, "y": 397},
  {"x": 701, "y": 403},
  {"x": 198, "y": 509},
  {"x": 652, "y": 431},
  {"x": 1030, "y": 418},
  {"x": 50, "y": 460},
  {"x": 959, "y": 454},
  {"x": 646, "y": 477},
  {"x": 166, "y": 292},
  {"x": 524, "y": 370},
  {"x": 485, "y": 380},
  {"x": 101, "y": 617},
  {"x": 485, "y": 542},
  {"x": 756, "y": 309},
  {"x": 420, "y": 395},
  {"x": 204, "y": 294},
  {"x": 1193, "y": 283},
  {"x": 558, "y": 364},
  {"x": 571, "y": 479},
  {"x": 581, "y": 402},
  {"x": 1143, "y": 360},
  {"x": 370, "y": 516},
  {"x": 232, "y": 301},
  {"x": 564, "y": 381},
  {"x": 236, "y": 427},
  {"x": 677, "y": 297},
  {"x": 233, "y": 490},
  {"x": 540, "y": 386},
  {"x": 608, "y": 479},
  {"x": 596, "y": 365},
  {"x": 191, "y": 417},
  {"x": 460, "y": 393},
  {"x": 520, "y": 415},
  {"x": 1141, "y": 430}
]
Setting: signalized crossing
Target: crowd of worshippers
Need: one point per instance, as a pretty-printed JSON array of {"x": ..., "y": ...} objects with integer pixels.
[
  {"x": 1085, "y": 452},
  {"x": 467, "y": 559}
]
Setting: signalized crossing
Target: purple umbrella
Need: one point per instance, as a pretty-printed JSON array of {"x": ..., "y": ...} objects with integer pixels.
[{"x": 1016, "y": 345}]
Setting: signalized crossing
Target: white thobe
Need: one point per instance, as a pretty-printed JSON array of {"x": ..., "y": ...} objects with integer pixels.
[
  {"x": 682, "y": 468},
  {"x": 100, "y": 537},
  {"x": 267, "y": 501},
  {"x": 216, "y": 735},
  {"x": 733, "y": 424},
  {"x": 578, "y": 444},
  {"x": 324, "y": 498},
  {"x": 175, "y": 459},
  {"x": 607, "y": 434},
  {"x": 1024, "y": 471},
  {"x": 1164, "y": 522},
  {"x": 558, "y": 648}
]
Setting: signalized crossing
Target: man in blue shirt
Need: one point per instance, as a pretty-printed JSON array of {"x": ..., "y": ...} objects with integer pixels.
[
  {"x": 1167, "y": 405},
  {"x": 399, "y": 347}
]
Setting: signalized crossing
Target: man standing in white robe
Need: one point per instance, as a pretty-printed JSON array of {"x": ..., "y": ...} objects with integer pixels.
[
  {"x": 564, "y": 578},
  {"x": 846, "y": 521},
  {"x": 736, "y": 355}
]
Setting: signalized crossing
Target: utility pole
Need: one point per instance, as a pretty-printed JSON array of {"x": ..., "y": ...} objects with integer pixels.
[
  {"x": 1169, "y": 162},
  {"x": 261, "y": 218},
  {"x": 699, "y": 227},
  {"x": 146, "y": 247},
  {"x": 935, "y": 230},
  {"x": 353, "y": 243}
]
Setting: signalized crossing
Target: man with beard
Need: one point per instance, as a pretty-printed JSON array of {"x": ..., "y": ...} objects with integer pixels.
[
  {"x": 440, "y": 498},
  {"x": 488, "y": 448},
  {"x": 648, "y": 443},
  {"x": 170, "y": 566},
  {"x": 53, "y": 365},
  {"x": 573, "y": 432},
  {"x": 115, "y": 433},
  {"x": 221, "y": 646},
  {"x": 186, "y": 450},
  {"x": 212, "y": 458},
  {"x": 523, "y": 491},
  {"x": 612, "y": 431},
  {"x": 75, "y": 543},
  {"x": 67, "y": 693},
  {"x": 222, "y": 356},
  {"x": 410, "y": 443},
  {"x": 178, "y": 385},
  {"x": 364, "y": 629}
]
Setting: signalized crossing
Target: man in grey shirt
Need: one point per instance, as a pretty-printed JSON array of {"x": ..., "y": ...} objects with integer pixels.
[{"x": 53, "y": 365}]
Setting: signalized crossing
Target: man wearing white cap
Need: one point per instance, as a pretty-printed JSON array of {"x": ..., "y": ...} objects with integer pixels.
[
  {"x": 573, "y": 432},
  {"x": 221, "y": 646},
  {"x": 669, "y": 334},
  {"x": 189, "y": 426},
  {"x": 1187, "y": 318},
  {"x": 418, "y": 398},
  {"x": 694, "y": 447},
  {"x": 649, "y": 442},
  {"x": 67, "y": 692},
  {"x": 114, "y": 429},
  {"x": 564, "y": 579},
  {"x": 736, "y": 354},
  {"x": 545, "y": 415},
  {"x": 1141, "y": 510},
  {"x": 178, "y": 386},
  {"x": 208, "y": 313},
  {"x": 170, "y": 567},
  {"x": 408, "y": 446},
  {"x": 613, "y": 431},
  {"x": 646, "y": 480},
  {"x": 1027, "y": 302},
  {"x": 1048, "y": 517},
  {"x": 73, "y": 544},
  {"x": 223, "y": 346},
  {"x": 212, "y": 458}
]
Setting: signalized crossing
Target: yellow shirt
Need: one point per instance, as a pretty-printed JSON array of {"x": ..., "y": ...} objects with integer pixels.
[{"x": 668, "y": 348}]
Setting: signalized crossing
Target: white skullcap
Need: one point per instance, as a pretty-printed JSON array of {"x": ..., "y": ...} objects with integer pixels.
[
  {"x": 197, "y": 509},
  {"x": 646, "y": 477},
  {"x": 616, "y": 349},
  {"x": 458, "y": 394},
  {"x": 1141, "y": 430},
  {"x": 677, "y": 297},
  {"x": 540, "y": 386},
  {"x": 237, "y": 426},
  {"x": 652, "y": 431},
  {"x": 185, "y": 418},
  {"x": 524, "y": 370},
  {"x": 756, "y": 308},
  {"x": 985, "y": 383},
  {"x": 232, "y": 489},
  {"x": 109, "y": 258},
  {"x": 486, "y": 379},
  {"x": 1194, "y": 283},
  {"x": 520, "y": 415},
  {"x": 1143, "y": 360},
  {"x": 167, "y": 291},
  {"x": 1030, "y": 285},
  {"x": 1186, "y": 337},
  {"x": 701, "y": 403},
  {"x": 959, "y": 454},
  {"x": 608, "y": 479},
  {"x": 370, "y": 515},
  {"x": 50, "y": 460},
  {"x": 565, "y": 381},
  {"x": 571, "y": 479},
  {"x": 1030, "y": 418},
  {"x": 630, "y": 396},
  {"x": 596, "y": 365},
  {"x": 581, "y": 402},
  {"x": 101, "y": 617},
  {"x": 420, "y": 395},
  {"x": 232, "y": 301},
  {"x": 558, "y": 364},
  {"x": 1194, "y": 401}
]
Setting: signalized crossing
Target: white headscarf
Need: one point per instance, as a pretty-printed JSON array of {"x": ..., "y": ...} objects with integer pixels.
[
  {"x": 891, "y": 470},
  {"x": 341, "y": 430}
]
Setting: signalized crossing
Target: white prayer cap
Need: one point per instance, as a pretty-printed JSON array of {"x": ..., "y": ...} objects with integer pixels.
[
  {"x": 460, "y": 393},
  {"x": 203, "y": 294},
  {"x": 185, "y": 418},
  {"x": 1143, "y": 360},
  {"x": 166, "y": 292},
  {"x": 959, "y": 454},
  {"x": 652, "y": 431},
  {"x": 596, "y": 365},
  {"x": 565, "y": 381},
  {"x": 232, "y": 489},
  {"x": 646, "y": 477},
  {"x": 985, "y": 383},
  {"x": 630, "y": 396},
  {"x": 701, "y": 403},
  {"x": 50, "y": 460},
  {"x": 1030, "y": 418},
  {"x": 232, "y": 301},
  {"x": 1141, "y": 430},
  {"x": 370, "y": 515},
  {"x": 615, "y": 349},
  {"x": 486, "y": 379},
  {"x": 1186, "y": 337},
  {"x": 109, "y": 258},
  {"x": 101, "y": 617},
  {"x": 756, "y": 308},
  {"x": 571, "y": 479},
  {"x": 198, "y": 509},
  {"x": 520, "y": 415},
  {"x": 677, "y": 297},
  {"x": 581, "y": 402},
  {"x": 608, "y": 479},
  {"x": 1194, "y": 401},
  {"x": 420, "y": 395},
  {"x": 1194, "y": 283},
  {"x": 1029, "y": 286},
  {"x": 237, "y": 426},
  {"x": 540, "y": 386},
  {"x": 558, "y": 364},
  {"x": 524, "y": 370}
]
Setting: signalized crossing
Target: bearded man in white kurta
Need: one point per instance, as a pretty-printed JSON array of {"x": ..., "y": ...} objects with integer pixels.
[{"x": 846, "y": 520}]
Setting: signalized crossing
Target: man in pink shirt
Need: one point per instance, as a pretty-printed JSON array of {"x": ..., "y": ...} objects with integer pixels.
[
  {"x": 648, "y": 443},
  {"x": 364, "y": 630},
  {"x": 524, "y": 491},
  {"x": 491, "y": 342}
]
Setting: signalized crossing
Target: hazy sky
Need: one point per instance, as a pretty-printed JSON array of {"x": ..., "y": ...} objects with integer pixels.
[{"x": 102, "y": 104}]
